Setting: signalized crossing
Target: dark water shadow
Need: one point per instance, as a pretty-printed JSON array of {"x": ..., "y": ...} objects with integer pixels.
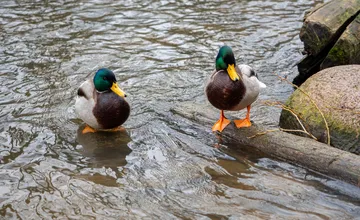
[{"x": 104, "y": 149}]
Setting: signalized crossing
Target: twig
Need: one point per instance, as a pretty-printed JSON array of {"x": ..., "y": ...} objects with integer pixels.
[
  {"x": 312, "y": 101},
  {"x": 279, "y": 104},
  {"x": 301, "y": 124},
  {"x": 295, "y": 130},
  {"x": 282, "y": 106}
]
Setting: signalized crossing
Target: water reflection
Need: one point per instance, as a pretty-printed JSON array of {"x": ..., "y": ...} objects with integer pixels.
[
  {"x": 161, "y": 52},
  {"x": 108, "y": 149}
]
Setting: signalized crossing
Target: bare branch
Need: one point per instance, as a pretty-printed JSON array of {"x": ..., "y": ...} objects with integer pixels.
[
  {"x": 313, "y": 102},
  {"x": 284, "y": 107}
]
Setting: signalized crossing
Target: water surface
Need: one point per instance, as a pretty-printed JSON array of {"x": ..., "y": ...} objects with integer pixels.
[{"x": 164, "y": 166}]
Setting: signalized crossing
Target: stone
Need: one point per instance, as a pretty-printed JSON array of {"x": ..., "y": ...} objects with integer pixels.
[{"x": 336, "y": 91}]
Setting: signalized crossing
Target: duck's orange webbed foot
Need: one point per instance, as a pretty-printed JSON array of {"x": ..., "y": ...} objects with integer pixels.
[
  {"x": 221, "y": 123},
  {"x": 88, "y": 129},
  {"x": 243, "y": 123}
]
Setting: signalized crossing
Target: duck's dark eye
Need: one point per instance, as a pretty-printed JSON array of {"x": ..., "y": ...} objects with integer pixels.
[{"x": 104, "y": 78}]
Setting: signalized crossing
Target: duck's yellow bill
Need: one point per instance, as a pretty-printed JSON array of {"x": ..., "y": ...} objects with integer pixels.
[
  {"x": 115, "y": 88},
  {"x": 232, "y": 72}
]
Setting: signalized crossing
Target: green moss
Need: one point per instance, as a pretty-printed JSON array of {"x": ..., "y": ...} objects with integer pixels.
[
  {"x": 346, "y": 15},
  {"x": 311, "y": 117},
  {"x": 338, "y": 54}
]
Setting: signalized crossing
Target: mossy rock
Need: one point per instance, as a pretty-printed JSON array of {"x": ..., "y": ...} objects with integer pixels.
[
  {"x": 323, "y": 22},
  {"x": 330, "y": 33},
  {"x": 347, "y": 48},
  {"x": 336, "y": 91}
]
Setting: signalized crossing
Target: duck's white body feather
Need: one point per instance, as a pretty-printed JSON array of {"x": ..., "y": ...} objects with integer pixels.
[
  {"x": 84, "y": 105},
  {"x": 252, "y": 85}
]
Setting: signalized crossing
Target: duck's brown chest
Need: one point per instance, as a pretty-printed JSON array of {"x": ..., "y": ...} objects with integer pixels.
[
  {"x": 223, "y": 93},
  {"x": 110, "y": 110}
]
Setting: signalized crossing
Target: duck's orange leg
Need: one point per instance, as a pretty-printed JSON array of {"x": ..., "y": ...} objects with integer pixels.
[
  {"x": 244, "y": 122},
  {"x": 221, "y": 123},
  {"x": 88, "y": 129}
]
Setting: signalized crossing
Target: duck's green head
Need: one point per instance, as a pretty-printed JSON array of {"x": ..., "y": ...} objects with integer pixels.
[
  {"x": 104, "y": 80},
  {"x": 225, "y": 60}
]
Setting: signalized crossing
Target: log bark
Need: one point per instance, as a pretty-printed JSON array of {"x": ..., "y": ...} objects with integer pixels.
[
  {"x": 347, "y": 48},
  {"x": 321, "y": 30},
  {"x": 322, "y": 24},
  {"x": 294, "y": 149}
]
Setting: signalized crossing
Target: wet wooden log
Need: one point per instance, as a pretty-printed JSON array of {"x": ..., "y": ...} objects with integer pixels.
[
  {"x": 346, "y": 49},
  {"x": 294, "y": 149},
  {"x": 321, "y": 30}
]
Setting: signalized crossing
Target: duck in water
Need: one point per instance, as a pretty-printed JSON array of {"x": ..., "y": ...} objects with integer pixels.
[{"x": 101, "y": 104}]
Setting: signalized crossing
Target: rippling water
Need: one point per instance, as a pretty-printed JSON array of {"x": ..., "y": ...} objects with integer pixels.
[{"x": 165, "y": 166}]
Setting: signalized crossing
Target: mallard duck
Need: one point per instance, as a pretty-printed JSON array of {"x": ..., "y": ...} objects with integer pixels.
[
  {"x": 232, "y": 88},
  {"x": 100, "y": 103}
]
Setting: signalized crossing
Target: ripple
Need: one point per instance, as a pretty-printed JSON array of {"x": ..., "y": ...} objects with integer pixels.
[{"x": 165, "y": 166}]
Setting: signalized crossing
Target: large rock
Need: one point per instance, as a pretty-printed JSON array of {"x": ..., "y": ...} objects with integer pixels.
[
  {"x": 330, "y": 33},
  {"x": 336, "y": 91}
]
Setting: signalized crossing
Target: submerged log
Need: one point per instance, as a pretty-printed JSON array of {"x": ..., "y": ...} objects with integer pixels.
[
  {"x": 321, "y": 30},
  {"x": 294, "y": 149}
]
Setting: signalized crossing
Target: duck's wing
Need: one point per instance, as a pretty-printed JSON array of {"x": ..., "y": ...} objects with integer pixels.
[
  {"x": 85, "y": 103},
  {"x": 86, "y": 90},
  {"x": 251, "y": 75},
  {"x": 245, "y": 70}
]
